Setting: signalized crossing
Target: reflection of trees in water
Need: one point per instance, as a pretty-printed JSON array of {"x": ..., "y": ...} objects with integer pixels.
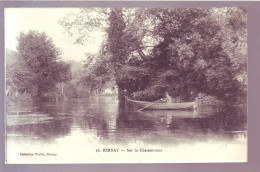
[
  {"x": 59, "y": 126},
  {"x": 46, "y": 131},
  {"x": 225, "y": 123},
  {"x": 134, "y": 121},
  {"x": 56, "y": 108},
  {"x": 162, "y": 127},
  {"x": 96, "y": 116},
  {"x": 93, "y": 123},
  {"x": 123, "y": 125},
  {"x": 135, "y": 126}
]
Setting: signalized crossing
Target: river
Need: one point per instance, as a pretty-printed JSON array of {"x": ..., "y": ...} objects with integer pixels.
[{"x": 96, "y": 129}]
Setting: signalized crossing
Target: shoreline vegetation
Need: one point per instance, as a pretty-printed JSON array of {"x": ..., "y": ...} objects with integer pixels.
[
  {"x": 204, "y": 101},
  {"x": 191, "y": 53}
]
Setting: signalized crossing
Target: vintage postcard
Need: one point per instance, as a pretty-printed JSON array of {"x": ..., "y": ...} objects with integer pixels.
[{"x": 126, "y": 85}]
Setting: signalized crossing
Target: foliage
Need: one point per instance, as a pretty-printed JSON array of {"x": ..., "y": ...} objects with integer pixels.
[
  {"x": 184, "y": 51},
  {"x": 37, "y": 69},
  {"x": 74, "y": 88},
  {"x": 203, "y": 100},
  {"x": 85, "y": 22},
  {"x": 133, "y": 78},
  {"x": 97, "y": 74},
  {"x": 17, "y": 75},
  {"x": 235, "y": 43},
  {"x": 191, "y": 58},
  {"x": 17, "y": 78}
]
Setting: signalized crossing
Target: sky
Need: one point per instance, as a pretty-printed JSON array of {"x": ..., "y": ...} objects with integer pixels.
[{"x": 46, "y": 20}]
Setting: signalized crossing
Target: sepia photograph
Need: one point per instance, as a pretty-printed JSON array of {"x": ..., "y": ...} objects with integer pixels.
[{"x": 126, "y": 85}]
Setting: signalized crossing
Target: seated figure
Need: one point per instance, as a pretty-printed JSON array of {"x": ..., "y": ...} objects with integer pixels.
[{"x": 168, "y": 98}]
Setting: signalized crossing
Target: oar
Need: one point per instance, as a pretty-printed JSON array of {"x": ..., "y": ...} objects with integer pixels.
[{"x": 148, "y": 105}]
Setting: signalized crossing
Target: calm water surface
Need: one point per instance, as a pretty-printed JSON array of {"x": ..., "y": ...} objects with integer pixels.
[{"x": 101, "y": 122}]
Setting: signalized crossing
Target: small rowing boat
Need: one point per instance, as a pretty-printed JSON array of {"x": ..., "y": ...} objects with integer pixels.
[{"x": 161, "y": 106}]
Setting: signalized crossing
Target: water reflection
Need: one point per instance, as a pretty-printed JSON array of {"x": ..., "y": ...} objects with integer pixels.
[
  {"x": 101, "y": 116},
  {"x": 48, "y": 131}
]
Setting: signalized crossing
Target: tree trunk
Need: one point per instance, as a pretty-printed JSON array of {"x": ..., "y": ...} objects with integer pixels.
[
  {"x": 62, "y": 89},
  {"x": 121, "y": 94}
]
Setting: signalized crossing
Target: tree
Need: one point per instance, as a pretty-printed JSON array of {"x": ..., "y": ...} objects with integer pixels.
[
  {"x": 97, "y": 73},
  {"x": 190, "y": 57},
  {"x": 182, "y": 51},
  {"x": 119, "y": 46},
  {"x": 116, "y": 45},
  {"x": 41, "y": 59},
  {"x": 235, "y": 44},
  {"x": 17, "y": 76}
]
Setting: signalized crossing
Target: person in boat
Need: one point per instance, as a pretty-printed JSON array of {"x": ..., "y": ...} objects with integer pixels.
[
  {"x": 195, "y": 103},
  {"x": 168, "y": 98}
]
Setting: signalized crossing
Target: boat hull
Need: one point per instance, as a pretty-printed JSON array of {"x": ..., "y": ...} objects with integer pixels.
[{"x": 162, "y": 106}]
